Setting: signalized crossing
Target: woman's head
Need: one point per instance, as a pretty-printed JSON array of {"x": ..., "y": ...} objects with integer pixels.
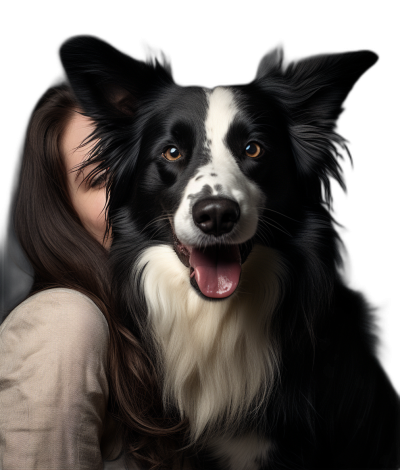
[
  {"x": 49, "y": 212},
  {"x": 87, "y": 195}
]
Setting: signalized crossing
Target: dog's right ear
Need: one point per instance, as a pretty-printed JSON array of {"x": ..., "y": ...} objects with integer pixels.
[{"x": 105, "y": 80}]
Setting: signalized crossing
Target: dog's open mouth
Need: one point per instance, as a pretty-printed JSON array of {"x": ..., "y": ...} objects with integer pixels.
[{"x": 214, "y": 270}]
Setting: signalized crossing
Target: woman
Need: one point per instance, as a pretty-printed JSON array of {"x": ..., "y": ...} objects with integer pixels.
[{"x": 76, "y": 388}]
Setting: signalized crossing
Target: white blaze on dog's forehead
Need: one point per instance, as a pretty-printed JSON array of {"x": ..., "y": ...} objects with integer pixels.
[
  {"x": 223, "y": 171},
  {"x": 221, "y": 112}
]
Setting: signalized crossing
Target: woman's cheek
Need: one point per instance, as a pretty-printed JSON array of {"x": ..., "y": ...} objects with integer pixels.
[{"x": 91, "y": 211}]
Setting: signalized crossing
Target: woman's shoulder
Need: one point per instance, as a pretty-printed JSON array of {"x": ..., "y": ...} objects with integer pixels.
[
  {"x": 55, "y": 316},
  {"x": 58, "y": 305},
  {"x": 53, "y": 382}
]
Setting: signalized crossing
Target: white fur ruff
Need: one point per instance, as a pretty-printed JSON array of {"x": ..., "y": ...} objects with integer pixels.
[{"x": 219, "y": 358}]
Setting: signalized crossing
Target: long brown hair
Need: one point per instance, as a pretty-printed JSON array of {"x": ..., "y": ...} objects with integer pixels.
[{"x": 63, "y": 254}]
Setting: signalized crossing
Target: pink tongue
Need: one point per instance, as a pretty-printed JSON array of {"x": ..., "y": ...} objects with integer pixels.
[{"x": 216, "y": 269}]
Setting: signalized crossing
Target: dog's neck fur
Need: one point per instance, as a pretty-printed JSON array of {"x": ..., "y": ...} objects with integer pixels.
[{"x": 219, "y": 358}]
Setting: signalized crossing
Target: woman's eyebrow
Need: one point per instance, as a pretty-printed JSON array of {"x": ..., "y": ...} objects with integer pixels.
[{"x": 81, "y": 171}]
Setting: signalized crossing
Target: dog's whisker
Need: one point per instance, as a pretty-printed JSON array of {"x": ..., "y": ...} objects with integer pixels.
[
  {"x": 271, "y": 226},
  {"x": 264, "y": 237},
  {"x": 279, "y": 213},
  {"x": 154, "y": 221},
  {"x": 283, "y": 230}
]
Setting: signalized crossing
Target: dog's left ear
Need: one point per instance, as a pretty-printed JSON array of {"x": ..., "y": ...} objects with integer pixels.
[
  {"x": 312, "y": 92},
  {"x": 314, "y": 89},
  {"x": 107, "y": 81}
]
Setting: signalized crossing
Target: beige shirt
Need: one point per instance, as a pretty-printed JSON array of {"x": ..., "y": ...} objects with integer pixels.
[{"x": 53, "y": 386}]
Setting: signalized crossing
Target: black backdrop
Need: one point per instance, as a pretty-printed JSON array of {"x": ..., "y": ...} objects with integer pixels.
[{"x": 208, "y": 49}]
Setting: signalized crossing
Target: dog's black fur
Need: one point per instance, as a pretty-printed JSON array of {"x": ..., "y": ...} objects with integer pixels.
[{"x": 332, "y": 405}]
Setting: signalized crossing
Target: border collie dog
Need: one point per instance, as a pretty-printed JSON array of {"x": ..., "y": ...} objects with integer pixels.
[{"x": 227, "y": 261}]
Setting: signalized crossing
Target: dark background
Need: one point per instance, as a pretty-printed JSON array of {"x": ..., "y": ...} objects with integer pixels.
[{"x": 209, "y": 49}]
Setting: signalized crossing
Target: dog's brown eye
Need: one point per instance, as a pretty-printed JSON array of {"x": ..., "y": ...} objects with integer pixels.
[
  {"x": 172, "y": 154},
  {"x": 253, "y": 150}
]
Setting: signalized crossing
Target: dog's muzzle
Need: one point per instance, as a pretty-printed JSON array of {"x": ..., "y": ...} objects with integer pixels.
[{"x": 215, "y": 266}]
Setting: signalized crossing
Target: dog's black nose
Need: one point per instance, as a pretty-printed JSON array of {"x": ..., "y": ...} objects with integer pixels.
[{"x": 216, "y": 215}]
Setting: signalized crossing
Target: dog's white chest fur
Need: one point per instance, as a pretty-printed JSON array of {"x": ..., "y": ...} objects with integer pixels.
[{"x": 219, "y": 358}]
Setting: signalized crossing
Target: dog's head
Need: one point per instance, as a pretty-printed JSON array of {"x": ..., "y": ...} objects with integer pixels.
[{"x": 211, "y": 171}]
